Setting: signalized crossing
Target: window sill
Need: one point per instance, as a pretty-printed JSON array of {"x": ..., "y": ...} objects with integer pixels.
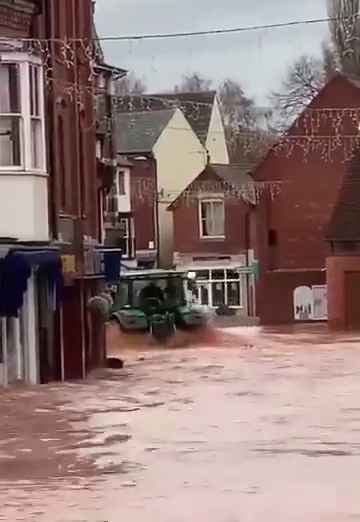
[
  {"x": 20, "y": 171},
  {"x": 213, "y": 238}
]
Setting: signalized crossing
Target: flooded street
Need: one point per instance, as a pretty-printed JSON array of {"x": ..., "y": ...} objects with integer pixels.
[{"x": 270, "y": 431}]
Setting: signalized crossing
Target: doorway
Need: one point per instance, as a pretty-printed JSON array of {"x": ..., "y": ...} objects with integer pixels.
[{"x": 352, "y": 300}]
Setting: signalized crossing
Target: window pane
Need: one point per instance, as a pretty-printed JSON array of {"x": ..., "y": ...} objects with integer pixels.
[
  {"x": 34, "y": 73},
  {"x": 121, "y": 183},
  {"x": 204, "y": 228},
  {"x": 203, "y": 275},
  {"x": 10, "y": 143},
  {"x": 204, "y": 210},
  {"x": 218, "y": 274},
  {"x": 9, "y": 89},
  {"x": 204, "y": 295},
  {"x": 218, "y": 219},
  {"x": 212, "y": 218},
  {"x": 124, "y": 227},
  {"x": 232, "y": 274},
  {"x": 36, "y": 144},
  {"x": 234, "y": 294},
  {"x": 218, "y": 294}
]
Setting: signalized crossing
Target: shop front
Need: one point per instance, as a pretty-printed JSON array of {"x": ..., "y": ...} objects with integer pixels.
[
  {"x": 222, "y": 281},
  {"x": 31, "y": 287}
]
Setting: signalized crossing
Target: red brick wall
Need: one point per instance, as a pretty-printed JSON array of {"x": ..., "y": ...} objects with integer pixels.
[
  {"x": 275, "y": 294},
  {"x": 187, "y": 228},
  {"x": 71, "y": 121},
  {"x": 337, "y": 267},
  {"x": 309, "y": 190},
  {"x": 73, "y": 184},
  {"x": 143, "y": 201},
  {"x": 301, "y": 212}
]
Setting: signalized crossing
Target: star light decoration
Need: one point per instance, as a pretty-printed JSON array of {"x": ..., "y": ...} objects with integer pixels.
[
  {"x": 341, "y": 125},
  {"x": 330, "y": 132}
]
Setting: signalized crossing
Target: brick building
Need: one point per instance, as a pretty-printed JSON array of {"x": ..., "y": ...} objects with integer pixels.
[
  {"x": 75, "y": 216},
  {"x": 291, "y": 228},
  {"x": 213, "y": 231},
  {"x": 343, "y": 262},
  {"x": 48, "y": 144}
]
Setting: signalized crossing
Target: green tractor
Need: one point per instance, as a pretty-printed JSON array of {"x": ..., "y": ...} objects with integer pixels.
[{"x": 157, "y": 302}]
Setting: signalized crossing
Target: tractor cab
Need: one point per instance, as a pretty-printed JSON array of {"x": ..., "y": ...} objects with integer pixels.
[{"x": 156, "y": 301}]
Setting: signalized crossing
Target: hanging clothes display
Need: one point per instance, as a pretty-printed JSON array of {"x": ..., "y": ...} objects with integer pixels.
[
  {"x": 15, "y": 271},
  {"x": 14, "y": 274}
]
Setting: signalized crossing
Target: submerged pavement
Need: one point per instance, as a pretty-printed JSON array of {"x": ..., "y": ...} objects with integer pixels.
[{"x": 255, "y": 426}]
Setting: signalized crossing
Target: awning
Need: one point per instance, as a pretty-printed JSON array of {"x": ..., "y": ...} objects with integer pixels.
[{"x": 15, "y": 270}]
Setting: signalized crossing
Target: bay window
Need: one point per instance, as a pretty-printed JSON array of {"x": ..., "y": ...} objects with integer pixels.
[
  {"x": 22, "y": 144},
  {"x": 212, "y": 218},
  {"x": 10, "y": 116}
]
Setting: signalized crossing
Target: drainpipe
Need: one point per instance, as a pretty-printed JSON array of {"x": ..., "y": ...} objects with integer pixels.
[
  {"x": 49, "y": 24},
  {"x": 80, "y": 199},
  {"x": 156, "y": 216},
  {"x": 247, "y": 246}
]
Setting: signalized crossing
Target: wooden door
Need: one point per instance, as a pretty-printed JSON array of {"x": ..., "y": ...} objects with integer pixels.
[{"x": 352, "y": 300}]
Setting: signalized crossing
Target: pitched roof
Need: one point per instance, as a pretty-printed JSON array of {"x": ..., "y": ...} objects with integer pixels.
[
  {"x": 139, "y": 131},
  {"x": 197, "y": 108},
  {"x": 345, "y": 221},
  {"x": 293, "y": 128},
  {"x": 235, "y": 176}
]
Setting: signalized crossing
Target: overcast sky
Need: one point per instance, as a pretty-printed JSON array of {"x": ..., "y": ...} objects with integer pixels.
[{"x": 257, "y": 59}]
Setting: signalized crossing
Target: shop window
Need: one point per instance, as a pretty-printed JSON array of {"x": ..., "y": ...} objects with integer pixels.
[
  {"x": 220, "y": 287},
  {"x": 212, "y": 218}
]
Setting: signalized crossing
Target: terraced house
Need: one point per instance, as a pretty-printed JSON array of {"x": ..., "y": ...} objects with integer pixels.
[{"x": 50, "y": 187}]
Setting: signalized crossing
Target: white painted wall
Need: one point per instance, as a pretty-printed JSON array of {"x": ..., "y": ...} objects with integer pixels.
[
  {"x": 24, "y": 206},
  {"x": 180, "y": 159},
  {"x": 216, "y": 141}
]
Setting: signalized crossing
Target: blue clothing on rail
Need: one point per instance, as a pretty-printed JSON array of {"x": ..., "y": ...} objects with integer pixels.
[{"x": 15, "y": 270}]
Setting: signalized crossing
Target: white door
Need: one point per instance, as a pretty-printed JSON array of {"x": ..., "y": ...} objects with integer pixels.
[{"x": 303, "y": 303}]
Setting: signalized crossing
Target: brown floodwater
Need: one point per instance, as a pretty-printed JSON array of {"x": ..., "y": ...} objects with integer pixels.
[{"x": 243, "y": 426}]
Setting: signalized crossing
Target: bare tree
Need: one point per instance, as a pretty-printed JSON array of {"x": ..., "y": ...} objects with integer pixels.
[
  {"x": 237, "y": 109},
  {"x": 330, "y": 63},
  {"x": 303, "y": 82},
  {"x": 193, "y": 83},
  {"x": 131, "y": 84},
  {"x": 345, "y": 34},
  {"x": 244, "y": 138}
]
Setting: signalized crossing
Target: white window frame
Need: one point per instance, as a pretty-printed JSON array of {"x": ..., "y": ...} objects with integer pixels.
[
  {"x": 24, "y": 61},
  {"x": 129, "y": 235},
  {"x": 210, "y": 201},
  {"x": 115, "y": 191},
  {"x": 120, "y": 173},
  {"x": 226, "y": 281}
]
